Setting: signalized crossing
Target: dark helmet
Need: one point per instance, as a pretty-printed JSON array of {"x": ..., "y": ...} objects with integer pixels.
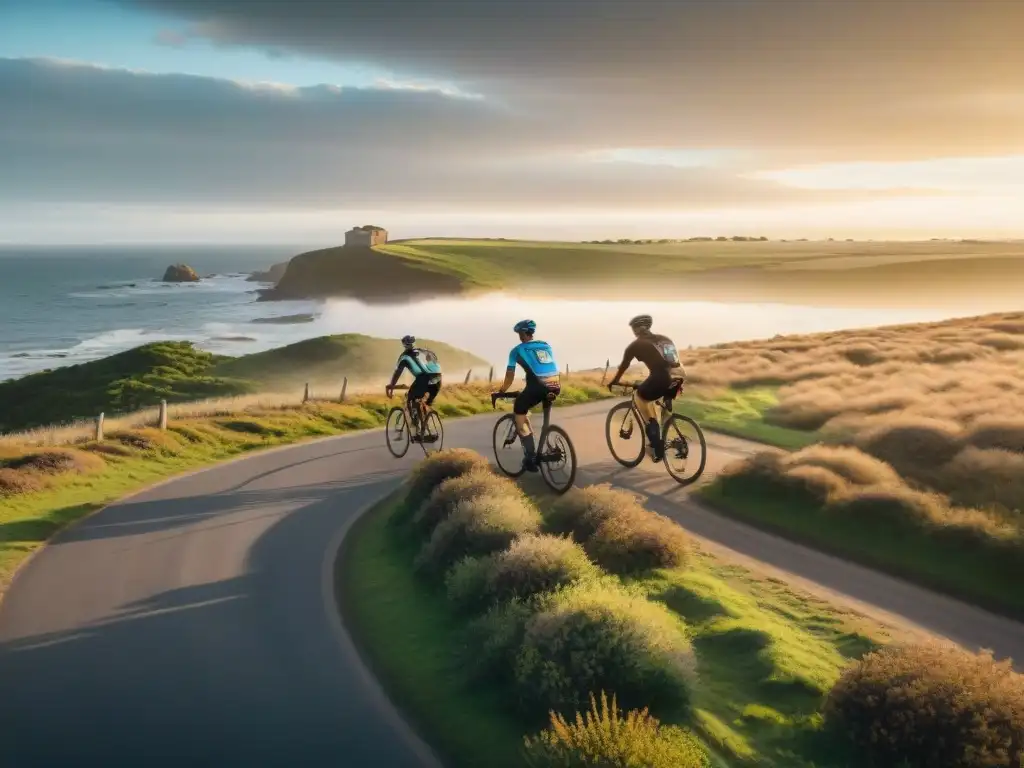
[
  {"x": 641, "y": 322},
  {"x": 525, "y": 326},
  {"x": 408, "y": 341}
]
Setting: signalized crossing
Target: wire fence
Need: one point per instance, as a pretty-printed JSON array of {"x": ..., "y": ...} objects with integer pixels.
[{"x": 160, "y": 415}]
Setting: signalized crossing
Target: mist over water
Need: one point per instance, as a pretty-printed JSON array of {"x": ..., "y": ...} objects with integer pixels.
[{"x": 57, "y": 310}]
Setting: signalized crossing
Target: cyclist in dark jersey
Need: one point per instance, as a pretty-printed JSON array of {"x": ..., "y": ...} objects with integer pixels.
[
  {"x": 537, "y": 359},
  {"x": 659, "y": 354},
  {"x": 426, "y": 370}
]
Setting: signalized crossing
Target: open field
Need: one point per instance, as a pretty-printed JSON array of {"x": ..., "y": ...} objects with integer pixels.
[
  {"x": 466, "y": 604},
  {"x": 44, "y": 488},
  {"x": 922, "y": 471},
  {"x": 179, "y": 373},
  {"x": 903, "y": 273}
]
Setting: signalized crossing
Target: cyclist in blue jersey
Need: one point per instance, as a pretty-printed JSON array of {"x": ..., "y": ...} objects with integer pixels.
[
  {"x": 426, "y": 370},
  {"x": 537, "y": 360}
]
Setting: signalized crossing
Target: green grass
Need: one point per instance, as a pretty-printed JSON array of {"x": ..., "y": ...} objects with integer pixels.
[
  {"x": 408, "y": 634},
  {"x": 766, "y": 656},
  {"x": 178, "y": 372},
  {"x": 769, "y": 269},
  {"x": 971, "y": 574},
  {"x": 741, "y": 413},
  {"x": 28, "y": 519}
]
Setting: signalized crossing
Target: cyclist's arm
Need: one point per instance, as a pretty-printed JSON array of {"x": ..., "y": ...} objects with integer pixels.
[
  {"x": 510, "y": 371},
  {"x": 403, "y": 364},
  {"x": 627, "y": 358}
]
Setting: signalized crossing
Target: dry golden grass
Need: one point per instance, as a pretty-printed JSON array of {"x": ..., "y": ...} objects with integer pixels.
[{"x": 941, "y": 403}]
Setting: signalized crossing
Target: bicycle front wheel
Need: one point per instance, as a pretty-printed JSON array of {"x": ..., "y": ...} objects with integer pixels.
[
  {"x": 625, "y": 435},
  {"x": 433, "y": 433},
  {"x": 557, "y": 457},
  {"x": 508, "y": 451},
  {"x": 396, "y": 432},
  {"x": 686, "y": 451}
]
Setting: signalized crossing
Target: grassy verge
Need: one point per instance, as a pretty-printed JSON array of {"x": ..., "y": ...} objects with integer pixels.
[
  {"x": 43, "y": 489},
  {"x": 766, "y": 655},
  {"x": 741, "y": 413},
  {"x": 966, "y": 568}
]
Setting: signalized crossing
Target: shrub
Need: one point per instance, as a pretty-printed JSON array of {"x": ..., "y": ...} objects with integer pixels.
[
  {"x": 606, "y": 739},
  {"x": 492, "y": 641},
  {"x": 849, "y": 463},
  {"x": 532, "y": 565},
  {"x": 13, "y": 482},
  {"x": 1005, "y": 434},
  {"x": 913, "y": 446},
  {"x": 477, "y": 526},
  {"x": 581, "y": 511},
  {"x": 590, "y": 637},
  {"x": 766, "y": 474},
  {"x": 438, "y": 467},
  {"x": 630, "y": 543},
  {"x": 54, "y": 462},
  {"x": 931, "y": 706},
  {"x": 896, "y": 505},
  {"x": 977, "y": 477},
  {"x": 440, "y": 503}
]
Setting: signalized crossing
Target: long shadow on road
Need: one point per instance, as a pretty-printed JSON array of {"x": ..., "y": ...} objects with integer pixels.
[{"x": 242, "y": 670}]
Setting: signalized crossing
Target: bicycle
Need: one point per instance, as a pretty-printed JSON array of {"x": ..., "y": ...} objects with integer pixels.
[
  {"x": 677, "y": 447},
  {"x": 429, "y": 432},
  {"x": 555, "y": 451}
]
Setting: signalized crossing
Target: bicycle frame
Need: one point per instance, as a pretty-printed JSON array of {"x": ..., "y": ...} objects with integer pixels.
[
  {"x": 421, "y": 407},
  {"x": 664, "y": 404},
  {"x": 546, "y": 409}
]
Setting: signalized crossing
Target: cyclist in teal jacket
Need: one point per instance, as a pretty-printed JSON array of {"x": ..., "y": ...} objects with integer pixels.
[
  {"x": 537, "y": 360},
  {"x": 426, "y": 370}
]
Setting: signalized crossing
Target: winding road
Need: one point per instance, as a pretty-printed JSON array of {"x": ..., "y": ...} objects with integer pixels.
[{"x": 194, "y": 623}]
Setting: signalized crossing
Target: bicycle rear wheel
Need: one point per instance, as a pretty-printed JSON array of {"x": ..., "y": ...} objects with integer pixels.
[
  {"x": 396, "y": 432},
  {"x": 433, "y": 433},
  {"x": 557, "y": 457},
  {"x": 625, "y": 435},
  {"x": 686, "y": 451},
  {"x": 508, "y": 452}
]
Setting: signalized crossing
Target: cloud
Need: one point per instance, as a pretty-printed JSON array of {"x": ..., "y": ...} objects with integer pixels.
[
  {"x": 796, "y": 80},
  {"x": 77, "y": 133}
]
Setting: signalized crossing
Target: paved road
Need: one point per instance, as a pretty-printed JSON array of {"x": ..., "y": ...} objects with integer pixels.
[{"x": 194, "y": 625}]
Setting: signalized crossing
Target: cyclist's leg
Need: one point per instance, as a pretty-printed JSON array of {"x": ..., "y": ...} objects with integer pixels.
[
  {"x": 650, "y": 390},
  {"x": 526, "y": 400}
]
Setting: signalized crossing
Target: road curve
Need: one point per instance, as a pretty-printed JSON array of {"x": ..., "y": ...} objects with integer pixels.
[{"x": 194, "y": 623}]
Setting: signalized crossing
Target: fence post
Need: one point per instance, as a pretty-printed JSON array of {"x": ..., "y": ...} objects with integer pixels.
[
  {"x": 607, "y": 365},
  {"x": 163, "y": 414},
  {"x": 567, "y": 370},
  {"x": 344, "y": 388},
  {"x": 305, "y": 395},
  {"x": 99, "y": 428},
  {"x": 490, "y": 376},
  {"x": 468, "y": 374}
]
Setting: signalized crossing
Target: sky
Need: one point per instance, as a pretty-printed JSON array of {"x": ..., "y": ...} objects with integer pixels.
[{"x": 291, "y": 120}]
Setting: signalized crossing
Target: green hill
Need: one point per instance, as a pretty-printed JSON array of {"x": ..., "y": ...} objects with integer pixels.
[{"x": 178, "y": 372}]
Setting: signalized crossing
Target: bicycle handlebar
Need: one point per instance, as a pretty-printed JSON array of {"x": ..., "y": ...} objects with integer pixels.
[
  {"x": 496, "y": 396},
  {"x": 397, "y": 386}
]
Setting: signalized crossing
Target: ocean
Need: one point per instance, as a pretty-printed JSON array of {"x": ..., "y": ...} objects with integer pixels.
[{"x": 60, "y": 306}]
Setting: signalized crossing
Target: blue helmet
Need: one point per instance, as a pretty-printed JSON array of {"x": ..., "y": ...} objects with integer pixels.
[
  {"x": 408, "y": 341},
  {"x": 525, "y": 326}
]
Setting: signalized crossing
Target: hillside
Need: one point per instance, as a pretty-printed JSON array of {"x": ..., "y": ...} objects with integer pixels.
[
  {"x": 898, "y": 273},
  {"x": 362, "y": 273},
  {"x": 327, "y": 359},
  {"x": 178, "y": 372}
]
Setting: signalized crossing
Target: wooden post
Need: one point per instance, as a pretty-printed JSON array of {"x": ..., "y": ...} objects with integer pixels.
[
  {"x": 305, "y": 395},
  {"x": 344, "y": 388},
  {"x": 163, "y": 415},
  {"x": 490, "y": 376},
  {"x": 607, "y": 365},
  {"x": 99, "y": 428},
  {"x": 567, "y": 370},
  {"x": 468, "y": 374}
]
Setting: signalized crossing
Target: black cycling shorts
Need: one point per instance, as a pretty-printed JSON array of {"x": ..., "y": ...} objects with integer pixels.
[
  {"x": 428, "y": 384},
  {"x": 533, "y": 394},
  {"x": 656, "y": 386}
]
